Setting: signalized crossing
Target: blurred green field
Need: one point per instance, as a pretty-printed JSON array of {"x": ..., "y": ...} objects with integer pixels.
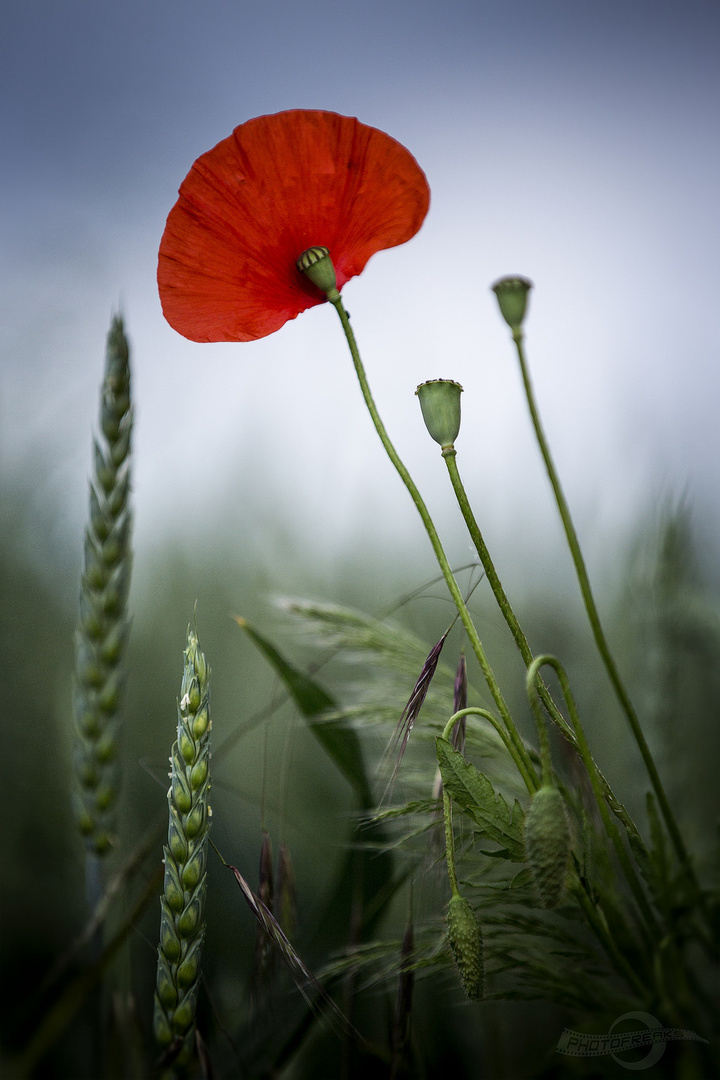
[{"x": 662, "y": 617}]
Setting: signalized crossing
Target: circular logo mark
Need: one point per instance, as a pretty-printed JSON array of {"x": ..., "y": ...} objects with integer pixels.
[{"x": 656, "y": 1044}]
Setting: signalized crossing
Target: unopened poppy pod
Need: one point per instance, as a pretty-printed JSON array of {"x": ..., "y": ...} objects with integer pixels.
[
  {"x": 278, "y": 186},
  {"x": 440, "y": 404}
]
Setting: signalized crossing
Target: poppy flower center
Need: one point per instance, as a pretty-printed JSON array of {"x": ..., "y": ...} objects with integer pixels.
[{"x": 316, "y": 264}]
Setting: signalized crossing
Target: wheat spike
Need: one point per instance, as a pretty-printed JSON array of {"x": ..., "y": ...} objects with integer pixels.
[
  {"x": 182, "y": 903},
  {"x": 102, "y": 627}
]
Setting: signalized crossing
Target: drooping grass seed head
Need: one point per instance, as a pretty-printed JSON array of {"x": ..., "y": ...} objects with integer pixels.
[{"x": 547, "y": 844}]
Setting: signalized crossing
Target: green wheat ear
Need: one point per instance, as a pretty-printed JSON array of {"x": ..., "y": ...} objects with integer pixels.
[
  {"x": 102, "y": 627},
  {"x": 182, "y": 923}
]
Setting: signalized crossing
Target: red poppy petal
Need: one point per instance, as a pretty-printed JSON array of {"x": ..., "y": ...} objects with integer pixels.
[{"x": 251, "y": 205}]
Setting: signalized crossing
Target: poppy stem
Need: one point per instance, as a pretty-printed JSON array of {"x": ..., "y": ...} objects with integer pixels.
[
  {"x": 532, "y": 685},
  {"x": 531, "y": 779},
  {"x": 450, "y": 843},
  {"x": 450, "y": 455},
  {"x": 509, "y": 745},
  {"x": 594, "y": 617}
]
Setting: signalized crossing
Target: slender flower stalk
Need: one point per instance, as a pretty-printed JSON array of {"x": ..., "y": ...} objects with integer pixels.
[
  {"x": 102, "y": 628},
  {"x": 182, "y": 924},
  {"x": 450, "y": 455},
  {"x": 592, "y": 611},
  {"x": 336, "y": 300}
]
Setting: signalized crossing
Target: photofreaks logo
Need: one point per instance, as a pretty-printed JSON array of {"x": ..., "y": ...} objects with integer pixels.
[{"x": 653, "y": 1035}]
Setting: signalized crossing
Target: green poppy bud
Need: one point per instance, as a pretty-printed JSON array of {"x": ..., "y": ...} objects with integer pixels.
[
  {"x": 316, "y": 264},
  {"x": 465, "y": 939},
  {"x": 440, "y": 404},
  {"x": 547, "y": 844},
  {"x": 512, "y": 295}
]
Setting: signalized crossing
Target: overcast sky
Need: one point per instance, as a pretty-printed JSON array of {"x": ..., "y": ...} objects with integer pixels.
[{"x": 573, "y": 142}]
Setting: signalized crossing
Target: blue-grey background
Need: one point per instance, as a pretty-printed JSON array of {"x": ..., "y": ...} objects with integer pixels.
[{"x": 575, "y": 143}]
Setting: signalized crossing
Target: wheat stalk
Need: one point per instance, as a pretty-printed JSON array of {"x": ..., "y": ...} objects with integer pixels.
[
  {"x": 182, "y": 923},
  {"x": 102, "y": 627}
]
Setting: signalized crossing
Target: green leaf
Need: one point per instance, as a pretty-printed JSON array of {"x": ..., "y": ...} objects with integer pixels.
[
  {"x": 338, "y": 740},
  {"x": 474, "y": 793}
]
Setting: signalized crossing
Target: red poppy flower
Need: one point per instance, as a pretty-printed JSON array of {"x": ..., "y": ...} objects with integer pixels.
[{"x": 254, "y": 203}]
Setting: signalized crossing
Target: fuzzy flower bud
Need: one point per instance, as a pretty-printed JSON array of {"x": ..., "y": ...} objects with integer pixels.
[
  {"x": 512, "y": 295},
  {"x": 440, "y": 404},
  {"x": 547, "y": 844},
  {"x": 465, "y": 939}
]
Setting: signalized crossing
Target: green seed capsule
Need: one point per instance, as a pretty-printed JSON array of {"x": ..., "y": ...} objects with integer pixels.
[
  {"x": 512, "y": 296},
  {"x": 547, "y": 844},
  {"x": 465, "y": 939}
]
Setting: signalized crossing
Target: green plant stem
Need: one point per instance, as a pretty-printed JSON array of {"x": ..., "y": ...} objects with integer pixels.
[
  {"x": 450, "y": 843},
  {"x": 435, "y": 541},
  {"x": 593, "y": 775},
  {"x": 600, "y": 929},
  {"x": 450, "y": 455},
  {"x": 593, "y": 616},
  {"x": 509, "y": 745}
]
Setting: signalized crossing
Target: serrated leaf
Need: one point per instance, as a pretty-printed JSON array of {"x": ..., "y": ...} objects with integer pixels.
[
  {"x": 338, "y": 740},
  {"x": 474, "y": 793}
]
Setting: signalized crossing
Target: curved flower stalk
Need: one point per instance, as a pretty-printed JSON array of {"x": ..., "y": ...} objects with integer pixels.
[
  {"x": 182, "y": 923},
  {"x": 512, "y": 295},
  {"x": 102, "y": 628}
]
